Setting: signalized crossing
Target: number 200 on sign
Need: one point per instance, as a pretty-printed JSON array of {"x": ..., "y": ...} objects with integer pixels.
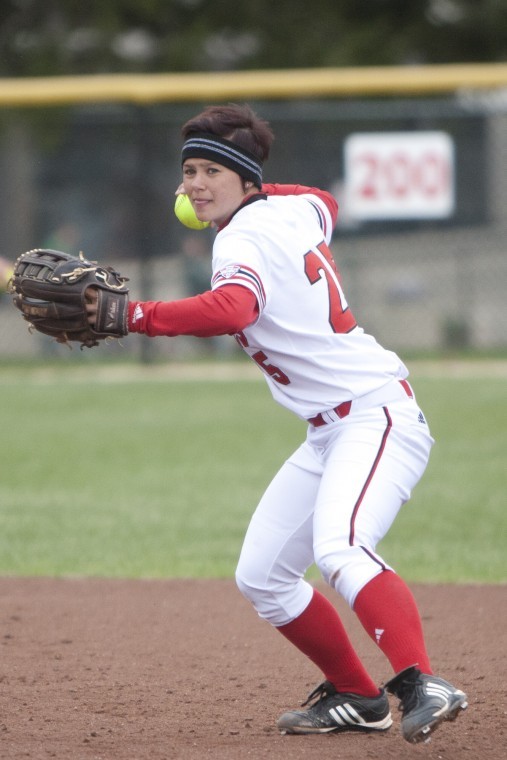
[{"x": 399, "y": 175}]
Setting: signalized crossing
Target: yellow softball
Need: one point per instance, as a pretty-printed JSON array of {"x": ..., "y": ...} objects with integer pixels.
[
  {"x": 6, "y": 272},
  {"x": 186, "y": 214}
]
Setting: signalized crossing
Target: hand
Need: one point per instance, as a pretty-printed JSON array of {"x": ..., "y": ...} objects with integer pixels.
[{"x": 91, "y": 298}]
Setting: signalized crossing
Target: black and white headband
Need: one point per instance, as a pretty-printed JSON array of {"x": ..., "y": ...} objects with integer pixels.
[{"x": 224, "y": 152}]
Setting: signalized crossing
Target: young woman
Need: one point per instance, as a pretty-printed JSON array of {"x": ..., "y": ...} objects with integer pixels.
[{"x": 275, "y": 287}]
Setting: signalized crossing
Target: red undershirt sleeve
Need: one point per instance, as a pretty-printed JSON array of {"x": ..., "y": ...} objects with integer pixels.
[
  {"x": 224, "y": 311},
  {"x": 327, "y": 198}
]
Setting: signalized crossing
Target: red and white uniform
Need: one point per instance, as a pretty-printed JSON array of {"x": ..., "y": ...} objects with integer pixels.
[
  {"x": 275, "y": 286},
  {"x": 303, "y": 335}
]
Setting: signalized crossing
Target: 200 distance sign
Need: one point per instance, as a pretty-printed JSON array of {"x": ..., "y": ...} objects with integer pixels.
[{"x": 399, "y": 175}]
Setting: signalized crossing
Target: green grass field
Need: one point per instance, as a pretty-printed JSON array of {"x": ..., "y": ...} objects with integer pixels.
[{"x": 143, "y": 477}]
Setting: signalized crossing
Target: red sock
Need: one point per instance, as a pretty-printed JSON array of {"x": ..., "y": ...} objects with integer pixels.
[
  {"x": 389, "y": 614},
  {"x": 319, "y": 633}
]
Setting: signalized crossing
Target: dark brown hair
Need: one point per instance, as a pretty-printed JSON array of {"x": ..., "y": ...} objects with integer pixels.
[{"x": 237, "y": 123}]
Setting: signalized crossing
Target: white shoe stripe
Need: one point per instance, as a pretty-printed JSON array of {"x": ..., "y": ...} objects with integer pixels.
[
  {"x": 353, "y": 714},
  {"x": 336, "y": 717},
  {"x": 345, "y": 715},
  {"x": 438, "y": 690}
]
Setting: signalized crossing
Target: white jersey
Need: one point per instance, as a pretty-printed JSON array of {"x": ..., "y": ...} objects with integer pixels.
[{"x": 305, "y": 339}]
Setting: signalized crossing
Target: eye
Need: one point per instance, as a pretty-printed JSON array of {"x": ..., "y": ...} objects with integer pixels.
[
  {"x": 188, "y": 171},
  {"x": 212, "y": 170}
]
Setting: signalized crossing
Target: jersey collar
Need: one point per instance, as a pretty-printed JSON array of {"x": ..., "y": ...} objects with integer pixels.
[{"x": 251, "y": 199}]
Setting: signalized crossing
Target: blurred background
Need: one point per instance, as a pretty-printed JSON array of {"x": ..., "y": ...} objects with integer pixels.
[{"x": 420, "y": 171}]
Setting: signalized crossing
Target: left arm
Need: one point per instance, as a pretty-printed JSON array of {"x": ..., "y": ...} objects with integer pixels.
[{"x": 224, "y": 311}]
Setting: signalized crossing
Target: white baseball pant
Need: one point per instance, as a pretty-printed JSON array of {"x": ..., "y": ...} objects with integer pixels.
[{"x": 331, "y": 502}]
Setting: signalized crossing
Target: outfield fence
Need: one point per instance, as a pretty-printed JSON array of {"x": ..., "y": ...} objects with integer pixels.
[{"x": 416, "y": 156}]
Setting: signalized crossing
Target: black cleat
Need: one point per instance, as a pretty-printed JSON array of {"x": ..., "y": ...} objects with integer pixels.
[
  {"x": 425, "y": 701},
  {"x": 337, "y": 711}
]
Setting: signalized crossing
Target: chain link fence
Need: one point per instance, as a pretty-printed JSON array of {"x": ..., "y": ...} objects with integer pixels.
[{"x": 101, "y": 179}]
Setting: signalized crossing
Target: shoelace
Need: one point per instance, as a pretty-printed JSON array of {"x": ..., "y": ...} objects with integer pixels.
[
  {"x": 325, "y": 689},
  {"x": 406, "y": 693}
]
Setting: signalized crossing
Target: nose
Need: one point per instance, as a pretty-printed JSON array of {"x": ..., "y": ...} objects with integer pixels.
[{"x": 197, "y": 181}]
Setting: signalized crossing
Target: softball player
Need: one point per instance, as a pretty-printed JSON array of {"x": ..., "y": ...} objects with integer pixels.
[{"x": 275, "y": 287}]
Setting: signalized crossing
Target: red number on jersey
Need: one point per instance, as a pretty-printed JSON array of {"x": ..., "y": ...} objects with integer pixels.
[
  {"x": 340, "y": 317},
  {"x": 277, "y": 374},
  {"x": 241, "y": 338},
  {"x": 262, "y": 360}
]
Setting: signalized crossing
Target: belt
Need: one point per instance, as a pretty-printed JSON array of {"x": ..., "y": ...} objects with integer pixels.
[{"x": 390, "y": 392}]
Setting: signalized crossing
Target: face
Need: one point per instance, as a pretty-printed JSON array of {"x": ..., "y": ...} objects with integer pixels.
[{"x": 214, "y": 191}]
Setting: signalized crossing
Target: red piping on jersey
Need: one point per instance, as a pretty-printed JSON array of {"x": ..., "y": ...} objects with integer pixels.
[
  {"x": 247, "y": 275},
  {"x": 322, "y": 218},
  {"x": 374, "y": 466}
]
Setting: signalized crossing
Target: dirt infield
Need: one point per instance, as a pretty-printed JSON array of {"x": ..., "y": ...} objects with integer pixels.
[{"x": 137, "y": 670}]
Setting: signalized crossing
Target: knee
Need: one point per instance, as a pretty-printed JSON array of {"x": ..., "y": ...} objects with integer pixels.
[
  {"x": 276, "y": 601},
  {"x": 349, "y": 569},
  {"x": 258, "y": 592},
  {"x": 255, "y": 586},
  {"x": 246, "y": 585},
  {"x": 249, "y": 577}
]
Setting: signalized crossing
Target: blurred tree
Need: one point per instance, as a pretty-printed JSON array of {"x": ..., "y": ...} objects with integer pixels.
[{"x": 46, "y": 37}]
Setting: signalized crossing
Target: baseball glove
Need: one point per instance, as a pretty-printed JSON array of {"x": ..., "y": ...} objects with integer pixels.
[{"x": 49, "y": 289}]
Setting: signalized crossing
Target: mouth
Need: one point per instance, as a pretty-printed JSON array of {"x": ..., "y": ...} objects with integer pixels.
[
  {"x": 199, "y": 203},
  {"x": 200, "y": 207}
]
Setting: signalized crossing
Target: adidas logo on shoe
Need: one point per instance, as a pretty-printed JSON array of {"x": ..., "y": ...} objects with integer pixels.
[{"x": 337, "y": 711}]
